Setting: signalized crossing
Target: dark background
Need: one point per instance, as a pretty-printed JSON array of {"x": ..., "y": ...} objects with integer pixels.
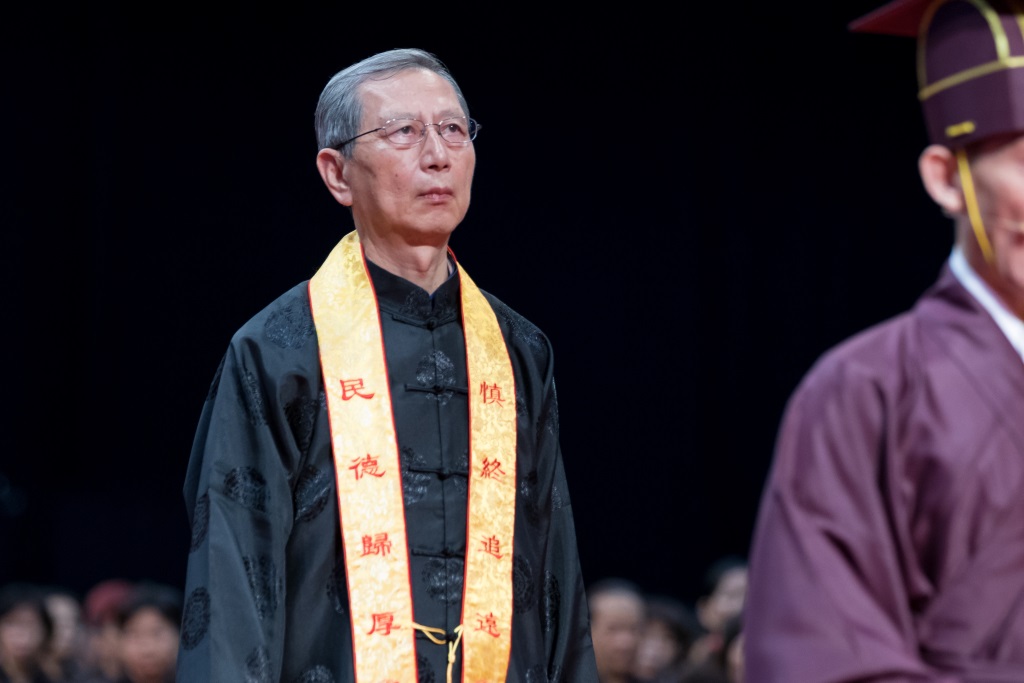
[{"x": 692, "y": 203}]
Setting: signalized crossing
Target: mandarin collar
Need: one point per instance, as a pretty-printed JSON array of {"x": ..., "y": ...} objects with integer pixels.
[{"x": 397, "y": 295}]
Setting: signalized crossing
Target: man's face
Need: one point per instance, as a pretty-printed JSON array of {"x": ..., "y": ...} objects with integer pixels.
[
  {"x": 997, "y": 169},
  {"x": 615, "y": 623},
  {"x": 417, "y": 194}
]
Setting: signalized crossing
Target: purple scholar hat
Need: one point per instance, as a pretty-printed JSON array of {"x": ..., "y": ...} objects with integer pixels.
[{"x": 970, "y": 63}]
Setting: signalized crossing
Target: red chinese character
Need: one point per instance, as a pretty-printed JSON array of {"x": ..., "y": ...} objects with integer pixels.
[
  {"x": 488, "y": 624},
  {"x": 491, "y": 393},
  {"x": 492, "y": 546},
  {"x": 353, "y": 387},
  {"x": 491, "y": 469},
  {"x": 367, "y": 465},
  {"x": 383, "y": 623},
  {"x": 376, "y": 545}
]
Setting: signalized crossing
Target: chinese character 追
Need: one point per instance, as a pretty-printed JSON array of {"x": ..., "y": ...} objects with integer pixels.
[{"x": 492, "y": 546}]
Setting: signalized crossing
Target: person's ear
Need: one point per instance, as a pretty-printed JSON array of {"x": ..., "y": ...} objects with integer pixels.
[
  {"x": 331, "y": 165},
  {"x": 938, "y": 169}
]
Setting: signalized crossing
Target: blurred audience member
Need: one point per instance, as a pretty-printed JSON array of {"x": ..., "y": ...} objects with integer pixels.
[
  {"x": 102, "y": 606},
  {"x": 732, "y": 660},
  {"x": 25, "y": 633},
  {"x": 64, "y": 659},
  {"x": 150, "y": 623},
  {"x": 722, "y": 597},
  {"x": 725, "y": 665},
  {"x": 669, "y": 629},
  {"x": 616, "y": 615}
]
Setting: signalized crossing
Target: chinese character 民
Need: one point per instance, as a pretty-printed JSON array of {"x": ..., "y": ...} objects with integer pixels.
[{"x": 353, "y": 387}]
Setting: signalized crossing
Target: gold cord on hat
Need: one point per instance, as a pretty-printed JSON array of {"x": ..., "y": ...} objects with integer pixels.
[{"x": 972, "y": 205}]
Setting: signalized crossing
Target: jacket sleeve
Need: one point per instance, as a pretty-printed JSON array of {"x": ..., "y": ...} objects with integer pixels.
[
  {"x": 546, "y": 509},
  {"x": 551, "y": 638},
  {"x": 239, "y": 502},
  {"x": 570, "y": 648},
  {"x": 826, "y": 599}
]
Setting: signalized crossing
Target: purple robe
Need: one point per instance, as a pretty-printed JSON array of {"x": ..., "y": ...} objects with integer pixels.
[{"x": 889, "y": 545}]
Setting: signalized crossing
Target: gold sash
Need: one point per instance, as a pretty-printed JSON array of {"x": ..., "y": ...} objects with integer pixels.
[{"x": 369, "y": 479}]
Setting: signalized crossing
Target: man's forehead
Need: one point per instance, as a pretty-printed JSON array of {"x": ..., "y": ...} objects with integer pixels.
[
  {"x": 410, "y": 94},
  {"x": 409, "y": 84}
]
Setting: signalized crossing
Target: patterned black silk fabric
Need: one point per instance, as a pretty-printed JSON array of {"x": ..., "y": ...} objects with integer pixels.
[{"x": 266, "y": 595}]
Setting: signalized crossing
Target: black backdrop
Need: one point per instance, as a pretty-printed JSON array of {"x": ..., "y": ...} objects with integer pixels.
[{"x": 692, "y": 203}]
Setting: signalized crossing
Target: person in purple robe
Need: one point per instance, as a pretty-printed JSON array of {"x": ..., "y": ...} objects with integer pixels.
[{"x": 889, "y": 542}]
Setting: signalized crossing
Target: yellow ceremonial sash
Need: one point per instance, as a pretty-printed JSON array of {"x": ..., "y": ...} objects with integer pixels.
[{"x": 369, "y": 479}]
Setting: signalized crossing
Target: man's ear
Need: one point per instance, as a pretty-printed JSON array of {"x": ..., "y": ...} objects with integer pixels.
[
  {"x": 331, "y": 165},
  {"x": 938, "y": 169}
]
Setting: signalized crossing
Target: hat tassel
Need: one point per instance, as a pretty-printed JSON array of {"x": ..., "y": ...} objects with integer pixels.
[{"x": 972, "y": 205}]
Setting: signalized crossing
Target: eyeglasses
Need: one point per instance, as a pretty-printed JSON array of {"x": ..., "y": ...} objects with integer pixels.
[{"x": 457, "y": 131}]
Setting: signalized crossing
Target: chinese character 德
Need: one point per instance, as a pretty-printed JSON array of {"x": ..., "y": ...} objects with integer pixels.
[{"x": 367, "y": 465}]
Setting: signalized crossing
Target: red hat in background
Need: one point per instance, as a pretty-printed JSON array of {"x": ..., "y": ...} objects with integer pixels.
[
  {"x": 103, "y": 602},
  {"x": 970, "y": 63}
]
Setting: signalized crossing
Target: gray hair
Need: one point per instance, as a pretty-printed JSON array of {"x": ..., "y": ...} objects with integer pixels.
[{"x": 339, "y": 113}]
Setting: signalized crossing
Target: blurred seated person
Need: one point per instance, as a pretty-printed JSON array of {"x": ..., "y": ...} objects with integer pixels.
[
  {"x": 616, "y": 616},
  {"x": 732, "y": 652},
  {"x": 64, "y": 659},
  {"x": 669, "y": 629},
  {"x": 722, "y": 598},
  {"x": 102, "y": 607},
  {"x": 150, "y": 623},
  {"x": 25, "y": 633}
]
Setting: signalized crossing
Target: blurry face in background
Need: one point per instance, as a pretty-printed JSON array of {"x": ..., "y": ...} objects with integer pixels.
[
  {"x": 149, "y": 646},
  {"x": 734, "y": 660},
  {"x": 725, "y": 602},
  {"x": 68, "y": 629},
  {"x": 657, "y": 649},
  {"x": 104, "y": 648},
  {"x": 22, "y": 635},
  {"x": 615, "y": 622}
]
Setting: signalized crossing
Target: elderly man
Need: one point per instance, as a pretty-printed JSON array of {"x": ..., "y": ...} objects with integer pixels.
[{"x": 376, "y": 488}]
